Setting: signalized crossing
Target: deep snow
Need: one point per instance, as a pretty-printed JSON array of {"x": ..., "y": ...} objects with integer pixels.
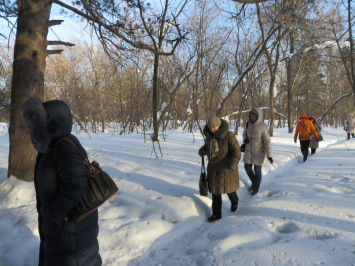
[{"x": 303, "y": 214}]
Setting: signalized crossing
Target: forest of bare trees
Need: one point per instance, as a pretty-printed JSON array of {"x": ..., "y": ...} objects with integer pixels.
[{"x": 139, "y": 68}]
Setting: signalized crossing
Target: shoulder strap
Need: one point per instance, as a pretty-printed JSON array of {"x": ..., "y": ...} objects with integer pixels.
[
  {"x": 86, "y": 161},
  {"x": 303, "y": 126},
  {"x": 246, "y": 131},
  {"x": 203, "y": 170}
]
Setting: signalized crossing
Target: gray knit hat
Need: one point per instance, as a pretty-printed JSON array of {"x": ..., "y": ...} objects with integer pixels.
[{"x": 214, "y": 121}]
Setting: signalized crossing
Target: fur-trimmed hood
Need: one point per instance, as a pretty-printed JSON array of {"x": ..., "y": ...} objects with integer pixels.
[
  {"x": 47, "y": 121},
  {"x": 259, "y": 114},
  {"x": 221, "y": 133}
]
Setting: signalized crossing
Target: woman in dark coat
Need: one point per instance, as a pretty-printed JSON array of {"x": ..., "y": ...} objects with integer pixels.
[
  {"x": 223, "y": 154},
  {"x": 62, "y": 242}
]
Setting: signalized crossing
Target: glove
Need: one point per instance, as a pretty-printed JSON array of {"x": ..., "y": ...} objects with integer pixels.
[
  {"x": 318, "y": 139},
  {"x": 201, "y": 153},
  {"x": 295, "y": 140},
  {"x": 270, "y": 159},
  {"x": 246, "y": 141}
]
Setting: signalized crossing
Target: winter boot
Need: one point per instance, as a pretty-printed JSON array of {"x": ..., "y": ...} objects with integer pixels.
[
  {"x": 213, "y": 218},
  {"x": 234, "y": 207},
  {"x": 253, "y": 192}
]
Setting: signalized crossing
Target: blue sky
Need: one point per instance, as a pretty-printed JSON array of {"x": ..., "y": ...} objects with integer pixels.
[{"x": 69, "y": 29}]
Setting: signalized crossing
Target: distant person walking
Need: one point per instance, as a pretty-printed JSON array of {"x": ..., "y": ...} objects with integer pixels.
[
  {"x": 314, "y": 143},
  {"x": 350, "y": 127},
  {"x": 304, "y": 132},
  {"x": 223, "y": 152},
  {"x": 257, "y": 148},
  {"x": 63, "y": 242}
]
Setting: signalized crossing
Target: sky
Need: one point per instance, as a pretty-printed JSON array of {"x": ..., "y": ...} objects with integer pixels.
[{"x": 69, "y": 29}]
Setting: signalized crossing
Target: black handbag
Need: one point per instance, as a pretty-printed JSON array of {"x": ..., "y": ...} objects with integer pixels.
[
  {"x": 203, "y": 180},
  {"x": 320, "y": 137},
  {"x": 100, "y": 188},
  {"x": 242, "y": 147}
]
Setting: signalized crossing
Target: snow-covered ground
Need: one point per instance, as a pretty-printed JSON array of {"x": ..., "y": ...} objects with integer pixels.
[{"x": 304, "y": 213}]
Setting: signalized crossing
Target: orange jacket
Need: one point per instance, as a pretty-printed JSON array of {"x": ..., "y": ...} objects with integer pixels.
[{"x": 304, "y": 129}]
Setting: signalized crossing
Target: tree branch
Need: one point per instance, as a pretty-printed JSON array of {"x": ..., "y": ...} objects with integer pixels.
[
  {"x": 54, "y": 22},
  {"x": 146, "y": 27},
  {"x": 246, "y": 70},
  {"x": 60, "y": 43},
  {"x": 138, "y": 45},
  {"x": 249, "y": 1},
  {"x": 48, "y": 52}
]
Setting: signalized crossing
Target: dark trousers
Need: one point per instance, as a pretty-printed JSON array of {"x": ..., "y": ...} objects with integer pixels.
[
  {"x": 352, "y": 134},
  {"x": 217, "y": 202},
  {"x": 254, "y": 176},
  {"x": 304, "y": 148},
  {"x": 313, "y": 151}
]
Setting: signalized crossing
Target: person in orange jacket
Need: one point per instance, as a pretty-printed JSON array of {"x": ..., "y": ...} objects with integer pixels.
[{"x": 304, "y": 131}]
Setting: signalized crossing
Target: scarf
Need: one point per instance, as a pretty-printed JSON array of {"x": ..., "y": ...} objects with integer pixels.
[{"x": 214, "y": 150}]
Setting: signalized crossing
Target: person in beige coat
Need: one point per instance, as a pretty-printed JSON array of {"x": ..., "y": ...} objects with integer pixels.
[
  {"x": 223, "y": 152},
  {"x": 314, "y": 143},
  {"x": 350, "y": 127},
  {"x": 257, "y": 148}
]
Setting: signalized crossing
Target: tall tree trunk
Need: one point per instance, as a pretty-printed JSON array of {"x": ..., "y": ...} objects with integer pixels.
[
  {"x": 272, "y": 103},
  {"x": 351, "y": 48},
  {"x": 241, "y": 106},
  {"x": 27, "y": 81},
  {"x": 289, "y": 85},
  {"x": 175, "y": 115},
  {"x": 155, "y": 98}
]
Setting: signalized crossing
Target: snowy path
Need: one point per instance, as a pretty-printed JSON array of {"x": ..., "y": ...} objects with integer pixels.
[{"x": 303, "y": 215}]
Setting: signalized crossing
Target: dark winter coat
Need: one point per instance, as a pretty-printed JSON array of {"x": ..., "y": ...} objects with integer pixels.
[
  {"x": 63, "y": 242},
  {"x": 222, "y": 176}
]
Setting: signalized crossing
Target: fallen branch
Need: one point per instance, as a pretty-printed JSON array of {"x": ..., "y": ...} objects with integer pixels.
[{"x": 319, "y": 119}]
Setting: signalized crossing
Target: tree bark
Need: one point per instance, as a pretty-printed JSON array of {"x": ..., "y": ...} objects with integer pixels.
[
  {"x": 27, "y": 81},
  {"x": 272, "y": 103},
  {"x": 351, "y": 48},
  {"x": 155, "y": 98},
  {"x": 289, "y": 85}
]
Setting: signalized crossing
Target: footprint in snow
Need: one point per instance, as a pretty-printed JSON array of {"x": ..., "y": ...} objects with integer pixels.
[
  {"x": 185, "y": 173},
  {"x": 287, "y": 228},
  {"x": 270, "y": 193},
  {"x": 283, "y": 228},
  {"x": 320, "y": 234}
]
